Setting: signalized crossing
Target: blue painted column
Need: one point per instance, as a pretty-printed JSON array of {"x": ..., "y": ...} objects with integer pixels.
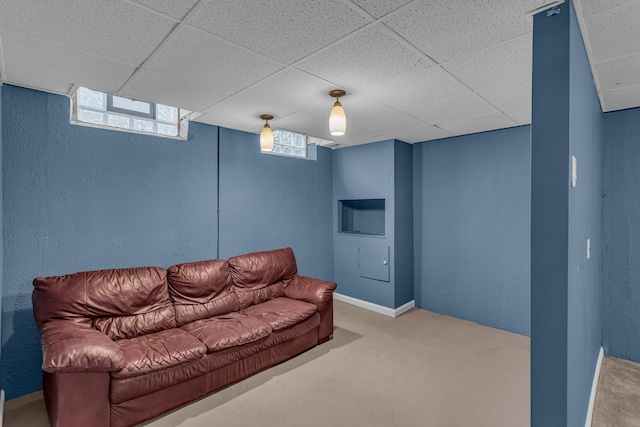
[
  {"x": 403, "y": 222},
  {"x": 566, "y": 331},
  {"x": 549, "y": 218},
  {"x": 1, "y": 246}
]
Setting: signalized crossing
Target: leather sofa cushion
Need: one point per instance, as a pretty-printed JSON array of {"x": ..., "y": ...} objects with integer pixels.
[
  {"x": 104, "y": 294},
  {"x": 201, "y": 290},
  {"x": 187, "y": 313},
  {"x": 229, "y": 330},
  {"x": 157, "y": 351},
  {"x": 281, "y": 313},
  {"x": 249, "y": 297},
  {"x": 119, "y": 327},
  {"x": 260, "y": 269},
  {"x": 123, "y": 389}
]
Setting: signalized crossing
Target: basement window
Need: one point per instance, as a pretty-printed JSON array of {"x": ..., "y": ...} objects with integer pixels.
[
  {"x": 288, "y": 143},
  {"x": 106, "y": 110}
]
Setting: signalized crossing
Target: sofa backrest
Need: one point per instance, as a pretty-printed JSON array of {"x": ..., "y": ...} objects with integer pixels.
[
  {"x": 201, "y": 289},
  {"x": 122, "y": 303},
  {"x": 261, "y": 276}
]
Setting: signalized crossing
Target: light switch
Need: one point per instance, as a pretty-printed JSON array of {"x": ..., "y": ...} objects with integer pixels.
[
  {"x": 574, "y": 171},
  {"x": 588, "y": 248}
]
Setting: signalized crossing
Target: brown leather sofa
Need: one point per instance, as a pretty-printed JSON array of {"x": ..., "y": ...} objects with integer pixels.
[{"x": 125, "y": 345}]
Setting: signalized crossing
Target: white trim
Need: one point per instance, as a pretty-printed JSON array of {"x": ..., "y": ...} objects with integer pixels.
[
  {"x": 375, "y": 307},
  {"x": 594, "y": 386},
  {"x": 1, "y": 406},
  {"x": 404, "y": 308}
]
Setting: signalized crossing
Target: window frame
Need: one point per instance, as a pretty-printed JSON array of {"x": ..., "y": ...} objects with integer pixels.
[
  {"x": 127, "y": 112},
  {"x": 181, "y": 123}
]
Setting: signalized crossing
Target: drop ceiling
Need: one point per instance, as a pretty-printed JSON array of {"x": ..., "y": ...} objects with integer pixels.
[{"x": 413, "y": 70}]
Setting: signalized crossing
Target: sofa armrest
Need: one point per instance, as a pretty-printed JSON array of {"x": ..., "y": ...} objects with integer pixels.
[
  {"x": 69, "y": 347},
  {"x": 308, "y": 289}
]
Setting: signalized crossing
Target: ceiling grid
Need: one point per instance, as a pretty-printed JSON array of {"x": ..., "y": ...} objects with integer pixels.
[{"x": 413, "y": 70}]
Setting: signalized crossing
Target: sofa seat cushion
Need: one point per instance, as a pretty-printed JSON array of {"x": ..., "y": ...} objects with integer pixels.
[
  {"x": 157, "y": 351},
  {"x": 124, "y": 389},
  {"x": 281, "y": 313},
  {"x": 228, "y": 330}
]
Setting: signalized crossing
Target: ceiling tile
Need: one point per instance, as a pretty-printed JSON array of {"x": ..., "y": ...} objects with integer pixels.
[
  {"x": 24, "y": 80},
  {"x": 510, "y": 96},
  {"x": 310, "y": 125},
  {"x": 172, "y": 8},
  {"x": 426, "y": 133},
  {"x": 416, "y": 89},
  {"x": 199, "y": 57},
  {"x": 115, "y": 29},
  {"x": 367, "y": 59},
  {"x": 619, "y": 99},
  {"x": 153, "y": 86},
  {"x": 442, "y": 28},
  {"x": 382, "y": 124},
  {"x": 521, "y": 116},
  {"x": 356, "y": 136},
  {"x": 496, "y": 65},
  {"x": 356, "y": 107},
  {"x": 225, "y": 113},
  {"x": 64, "y": 65},
  {"x": 379, "y": 8},
  {"x": 614, "y": 33},
  {"x": 478, "y": 124},
  {"x": 590, "y": 7},
  {"x": 291, "y": 88},
  {"x": 286, "y": 30},
  {"x": 619, "y": 73},
  {"x": 464, "y": 106}
]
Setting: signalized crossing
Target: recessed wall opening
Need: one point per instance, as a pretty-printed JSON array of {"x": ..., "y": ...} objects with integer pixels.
[{"x": 361, "y": 216}]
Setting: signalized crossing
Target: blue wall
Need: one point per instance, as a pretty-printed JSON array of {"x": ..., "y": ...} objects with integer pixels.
[
  {"x": 363, "y": 172},
  {"x": 472, "y": 227},
  {"x": 621, "y": 234},
  {"x": 584, "y": 324},
  {"x": 566, "y": 329},
  {"x": 269, "y": 201},
  {"x": 79, "y": 198},
  {"x": 403, "y": 222}
]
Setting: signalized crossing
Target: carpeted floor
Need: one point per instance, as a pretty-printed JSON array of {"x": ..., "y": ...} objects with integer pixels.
[
  {"x": 617, "y": 401},
  {"x": 420, "y": 369}
]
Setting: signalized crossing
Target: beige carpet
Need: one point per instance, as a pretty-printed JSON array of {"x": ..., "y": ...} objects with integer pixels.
[
  {"x": 420, "y": 369},
  {"x": 617, "y": 401}
]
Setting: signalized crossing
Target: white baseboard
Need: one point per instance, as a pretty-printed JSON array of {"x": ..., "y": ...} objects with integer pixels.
[
  {"x": 391, "y": 312},
  {"x": 1, "y": 406},
  {"x": 594, "y": 387}
]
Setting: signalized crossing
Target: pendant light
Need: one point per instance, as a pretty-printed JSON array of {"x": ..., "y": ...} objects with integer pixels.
[
  {"x": 337, "y": 118},
  {"x": 266, "y": 136}
]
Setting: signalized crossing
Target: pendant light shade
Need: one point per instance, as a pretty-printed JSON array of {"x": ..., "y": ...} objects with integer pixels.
[
  {"x": 266, "y": 136},
  {"x": 337, "y": 118}
]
